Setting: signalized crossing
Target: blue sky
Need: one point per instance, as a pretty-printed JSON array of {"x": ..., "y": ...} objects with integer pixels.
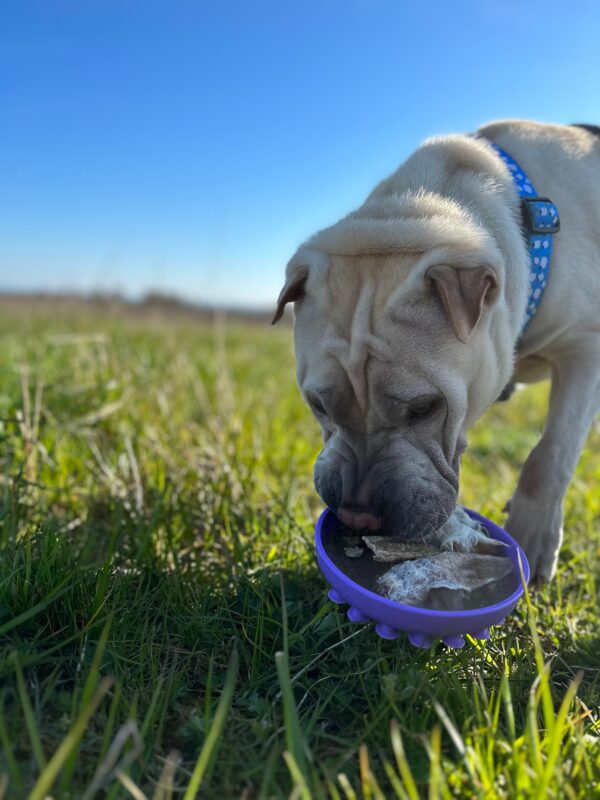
[{"x": 191, "y": 146}]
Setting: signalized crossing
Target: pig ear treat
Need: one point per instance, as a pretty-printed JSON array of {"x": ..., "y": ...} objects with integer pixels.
[
  {"x": 448, "y": 580},
  {"x": 462, "y": 580},
  {"x": 390, "y": 549},
  {"x": 460, "y": 534}
]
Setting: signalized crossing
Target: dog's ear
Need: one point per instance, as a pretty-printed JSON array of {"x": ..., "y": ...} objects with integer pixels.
[
  {"x": 292, "y": 291},
  {"x": 464, "y": 293}
]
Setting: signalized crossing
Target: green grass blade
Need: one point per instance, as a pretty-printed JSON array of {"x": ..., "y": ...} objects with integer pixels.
[
  {"x": 293, "y": 732},
  {"x": 542, "y": 668},
  {"x": 267, "y": 774},
  {"x": 30, "y": 721},
  {"x": 299, "y": 780},
  {"x": 402, "y": 762},
  {"x": 532, "y": 730},
  {"x": 110, "y": 722},
  {"x": 7, "y": 749},
  {"x": 295, "y": 742},
  {"x": 556, "y": 736},
  {"x": 71, "y": 740},
  {"x": 395, "y": 781},
  {"x": 346, "y": 786},
  {"x": 86, "y": 698},
  {"x": 509, "y": 712},
  {"x": 437, "y": 785},
  {"x": 369, "y": 783},
  {"x": 216, "y": 729}
]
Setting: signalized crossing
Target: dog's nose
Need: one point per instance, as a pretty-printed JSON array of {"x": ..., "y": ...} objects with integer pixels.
[{"x": 359, "y": 519}]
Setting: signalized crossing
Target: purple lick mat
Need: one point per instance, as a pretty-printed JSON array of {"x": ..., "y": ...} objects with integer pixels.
[{"x": 422, "y": 625}]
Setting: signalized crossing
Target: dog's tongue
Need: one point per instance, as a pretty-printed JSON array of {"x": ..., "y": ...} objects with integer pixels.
[{"x": 359, "y": 520}]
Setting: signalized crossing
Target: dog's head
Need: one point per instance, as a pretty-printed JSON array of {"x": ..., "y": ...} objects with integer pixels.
[{"x": 401, "y": 344}]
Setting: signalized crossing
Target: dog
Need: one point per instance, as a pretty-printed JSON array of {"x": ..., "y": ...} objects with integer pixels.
[{"x": 408, "y": 325}]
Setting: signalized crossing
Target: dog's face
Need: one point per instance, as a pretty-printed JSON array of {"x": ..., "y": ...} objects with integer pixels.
[{"x": 388, "y": 362}]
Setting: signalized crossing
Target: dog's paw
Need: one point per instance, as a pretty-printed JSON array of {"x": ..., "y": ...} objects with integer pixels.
[{"x": 538, "y": 529}]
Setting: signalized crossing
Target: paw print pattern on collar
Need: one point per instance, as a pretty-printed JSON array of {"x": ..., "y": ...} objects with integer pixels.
[{"x": 540, "y": 223}]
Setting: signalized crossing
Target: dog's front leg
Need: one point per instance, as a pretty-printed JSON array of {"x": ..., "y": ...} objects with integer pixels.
[{"x": 536, "y": 508}]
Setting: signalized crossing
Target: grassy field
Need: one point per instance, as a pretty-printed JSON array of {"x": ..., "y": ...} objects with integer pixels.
[{"x": 164, "y": 631}]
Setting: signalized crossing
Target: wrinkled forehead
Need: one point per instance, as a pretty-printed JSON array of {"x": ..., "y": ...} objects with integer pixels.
[
  {"x": 396, "y": 357},
  {"x": 350, "y": 280},
  {"x": 415, "y": 372},
  {"x": 345, "y": 316}
]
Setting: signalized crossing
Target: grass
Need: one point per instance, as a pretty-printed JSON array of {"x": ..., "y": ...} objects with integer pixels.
[{"x": 164, "y": 631}]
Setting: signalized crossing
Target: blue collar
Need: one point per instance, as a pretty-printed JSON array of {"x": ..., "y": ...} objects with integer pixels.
[{"x": 540, "y": 223}]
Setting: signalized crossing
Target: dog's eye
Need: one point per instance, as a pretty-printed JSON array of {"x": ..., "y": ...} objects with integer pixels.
[
  {"x": 423, "y": 407},
  {"x": 316, "y": 405}
]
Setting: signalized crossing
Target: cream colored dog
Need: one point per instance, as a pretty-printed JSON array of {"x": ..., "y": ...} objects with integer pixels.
[{"x": 408, "y": 314}]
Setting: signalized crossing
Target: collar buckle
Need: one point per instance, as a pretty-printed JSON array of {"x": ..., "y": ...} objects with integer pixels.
[{"x": 540, "y": 215}]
